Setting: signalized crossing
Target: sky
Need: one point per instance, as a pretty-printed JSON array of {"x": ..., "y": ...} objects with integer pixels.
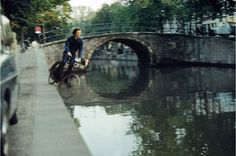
[{"x": 94, "y": 4}]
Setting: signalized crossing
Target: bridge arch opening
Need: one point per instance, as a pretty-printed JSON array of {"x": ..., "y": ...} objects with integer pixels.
[{"x": 141, "y": 51}]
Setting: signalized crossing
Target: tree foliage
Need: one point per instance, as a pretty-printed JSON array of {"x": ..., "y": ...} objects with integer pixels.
[
  {"x": 53, "y": 14},
  {"x": 156, "y": 12},
  {"x": 25, "y": 14}
]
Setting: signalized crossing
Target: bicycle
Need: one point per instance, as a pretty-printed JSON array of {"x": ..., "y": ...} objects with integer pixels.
[{"x": 68, "y": 85}]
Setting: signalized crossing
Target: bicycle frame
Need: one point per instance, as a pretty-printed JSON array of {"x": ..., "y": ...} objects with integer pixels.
[{"x": 78, "y": 63}]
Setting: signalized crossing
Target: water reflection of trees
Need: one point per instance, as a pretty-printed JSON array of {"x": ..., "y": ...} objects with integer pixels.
[
  {"x": 184, "y": 125},
  {"x": 175, "y": 112},
  {"x": 183, "y": 113}
]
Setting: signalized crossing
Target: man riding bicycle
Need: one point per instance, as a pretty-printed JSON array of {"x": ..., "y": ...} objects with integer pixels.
[{"x": 72, "y": 45}]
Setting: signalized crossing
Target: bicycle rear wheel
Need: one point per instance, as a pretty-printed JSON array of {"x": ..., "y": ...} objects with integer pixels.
[
  {"x": 51, "y": 77},
  {"x": 69, "y": 86}
]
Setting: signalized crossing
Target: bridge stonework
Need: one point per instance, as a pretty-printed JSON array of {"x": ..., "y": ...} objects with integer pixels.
[{"x": 154, "y": 49}]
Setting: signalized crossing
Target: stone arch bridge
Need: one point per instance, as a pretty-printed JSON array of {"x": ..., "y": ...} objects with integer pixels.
[{"x": 155, "y": 49}]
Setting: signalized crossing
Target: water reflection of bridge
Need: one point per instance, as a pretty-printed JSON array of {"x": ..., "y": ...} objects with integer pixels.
[
  {"x": 116, "y": 80},
  {"x": 112, "y": 66}
]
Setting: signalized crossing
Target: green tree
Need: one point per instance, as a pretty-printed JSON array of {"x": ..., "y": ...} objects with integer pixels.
[
  {"x": 158, "y": 12},
  {"x": 25, "y": 14},
  {"x": 103, "y": 16}
]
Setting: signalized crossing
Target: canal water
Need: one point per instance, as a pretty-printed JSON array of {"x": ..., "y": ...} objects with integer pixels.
[{"x": 123, "y": 110}]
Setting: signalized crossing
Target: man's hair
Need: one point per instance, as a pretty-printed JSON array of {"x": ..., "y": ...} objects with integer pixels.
[{"x": 75, "y": 30}]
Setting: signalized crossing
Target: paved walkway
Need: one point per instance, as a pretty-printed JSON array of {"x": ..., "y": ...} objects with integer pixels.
[{"x": 45, "y": 128}]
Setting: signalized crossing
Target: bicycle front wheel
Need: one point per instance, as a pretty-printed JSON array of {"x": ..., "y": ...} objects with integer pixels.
[
  {"x": 51, "y": 77},
  {"x": 69, "y": 86}
]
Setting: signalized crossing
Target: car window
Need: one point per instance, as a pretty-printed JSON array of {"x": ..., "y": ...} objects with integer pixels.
[{"x": 7, "y": 68}]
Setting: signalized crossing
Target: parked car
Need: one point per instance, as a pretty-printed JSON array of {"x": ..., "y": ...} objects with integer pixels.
[
  {"x": 224, "y": 30},
  {"x": 8, "y": 82}
]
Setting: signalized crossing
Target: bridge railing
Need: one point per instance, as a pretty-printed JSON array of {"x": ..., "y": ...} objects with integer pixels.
[
  {"x": 102, "y": 28},
  {"x": 106, "y": 28}
]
